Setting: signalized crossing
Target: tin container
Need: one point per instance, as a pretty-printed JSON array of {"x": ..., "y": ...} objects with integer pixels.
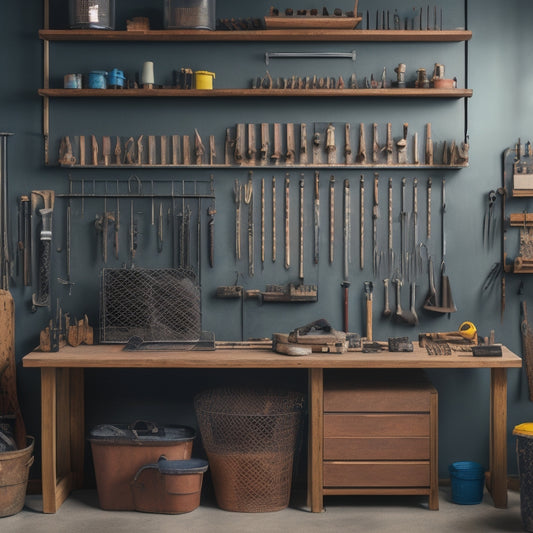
[
  {"x": 203, "y": 79},
  {"x": 116, "y": 79},
  {"x": 98, "y": 79},
  {"x": 169, "y": 487},
  {"x": 193, "y": 14},
  {"x": 119, "y": 451},
  {"x": 72, "y": 81},
  {"x": 92, "y": 14}
]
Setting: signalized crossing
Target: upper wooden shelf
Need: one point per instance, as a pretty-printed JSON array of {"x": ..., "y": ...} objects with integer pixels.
[
  {"x": 259, "y": 35},
  {"x": 230, "y": 93}
]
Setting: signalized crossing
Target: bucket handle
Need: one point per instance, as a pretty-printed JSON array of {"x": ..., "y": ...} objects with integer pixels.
[
  {"x": 153, "y": 466},
  {"x": 30, "y": 461},
  {"x": 144, "y": 427}
]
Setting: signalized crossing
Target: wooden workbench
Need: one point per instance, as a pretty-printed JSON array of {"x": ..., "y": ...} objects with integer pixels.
[{"x": 62, "y": 401}]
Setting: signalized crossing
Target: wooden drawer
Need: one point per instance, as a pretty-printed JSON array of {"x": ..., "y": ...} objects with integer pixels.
[
  {"x": 377, "y": 392},
  {"x": 361, "y": 449},
  {"x": 376, "y": 474},
  {"x": 376, "y": 425}
]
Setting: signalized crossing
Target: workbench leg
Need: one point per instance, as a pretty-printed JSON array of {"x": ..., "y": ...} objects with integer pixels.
[
  {"x": 77, "y": 425},
  {"x": 498, "y": 437},
  {"x": 315, "y": 478},
  {"x": 48, "y": 438}
]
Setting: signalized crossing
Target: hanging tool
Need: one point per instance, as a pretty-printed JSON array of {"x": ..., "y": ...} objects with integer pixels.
[
  {"x": 274, "y": 219},
  {"x": 303, "y": 144},
  {"x": 428, "y": 225},
  {"x": 347, "y": 230},
  {"x": 413, "y": 303},
  {"x": 401, "y": 315},
  {"x": 375, "y": 143},
  {"x": 362, "y": 222},
  {"x": 331, "y": 148},
  {"x": 301, "y": 232},
  {"x": 388, "y": 148},
  {"x": 390, "y": 250},
  {"x": 291, "y": 147},
  {"x": 361, "y": 154},
  {"x": 403, "y": 232},
  {"x": 331, "y": 218},
  {"x": 287, "y": 223},
  {"x": 262, "y": 229},
  {"x": 42, "y": 297},
  {"x": 386, "y": 307},
  {"x": 238, "y": 199},
  {"x": 25, "y": 241},
  {"x": 401, "y": 146},
  {"x": 316, "y": 218},
  {"x": 249, "y": 201},
  {"x": 429, "y": 145},
  {"x": 375, "y": 216},
  {"x": 159, "y": 228},
  {"x": 211, "y": 211},
  {"x": 117, "y": 225},
  {"x": 416, "y": 256},
  {"x": 348, "y": 159},
  {"x": 488, "y": 220},
  {"x": 369, "y": 288}
]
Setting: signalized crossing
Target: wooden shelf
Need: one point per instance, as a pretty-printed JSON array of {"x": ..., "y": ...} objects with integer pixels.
[
  {"x": 241, "y": 93},
  {"x": 311, "y": 166},
  {"x": 260, "y": 35}
]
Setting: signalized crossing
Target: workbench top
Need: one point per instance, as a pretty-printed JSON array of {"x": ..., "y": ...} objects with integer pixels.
[{"x": 113, "y": 356}]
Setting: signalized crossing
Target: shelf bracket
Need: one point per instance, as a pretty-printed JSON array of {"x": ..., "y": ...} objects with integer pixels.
[{"x": 321, "y": 55}]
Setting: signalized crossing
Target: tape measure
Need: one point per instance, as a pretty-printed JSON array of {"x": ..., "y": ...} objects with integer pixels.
[{"x": 467, "y": 330}]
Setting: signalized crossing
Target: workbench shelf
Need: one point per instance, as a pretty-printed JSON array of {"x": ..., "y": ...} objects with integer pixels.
[
  {"x": 308, "y": 35},
  {"x": 251, "y": 93}
]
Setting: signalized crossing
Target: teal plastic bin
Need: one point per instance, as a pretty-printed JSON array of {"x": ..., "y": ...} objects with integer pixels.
[{"x": 468, "y": 480}]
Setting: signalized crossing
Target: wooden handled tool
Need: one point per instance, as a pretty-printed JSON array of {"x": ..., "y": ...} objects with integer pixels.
[
  {"x": 316, "y": 219},
  {"x": 346, "y": 230},
  {"x": 238, "y": 199},
  {"x": 369, "y": 287},
  {"x": 249, "y": 201},
  {"x": 331, "y": 218},
  {"x": 301, "y": 232},
  {"x": 375, "y": 216},
  {"x": 348, "y": 156},
  {"x": 287, "y": 223}
]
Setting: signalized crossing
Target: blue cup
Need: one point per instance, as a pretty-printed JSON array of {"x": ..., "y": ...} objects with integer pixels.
[{"x": 98, "y": 79}]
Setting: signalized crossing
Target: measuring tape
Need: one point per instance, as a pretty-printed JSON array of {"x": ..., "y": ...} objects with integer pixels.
[{"x": 467, "y": 330}]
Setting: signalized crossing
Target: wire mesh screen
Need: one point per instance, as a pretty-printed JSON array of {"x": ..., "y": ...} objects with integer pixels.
[{"x": 154, "y": 304}]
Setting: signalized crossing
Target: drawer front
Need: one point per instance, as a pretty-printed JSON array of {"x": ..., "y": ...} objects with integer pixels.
[
  {"x": 363, "y": 448},
  {"x": 376, "y": 474},
  {"x": 376, "y": 425},
  {"x": 378, "y": 399}
]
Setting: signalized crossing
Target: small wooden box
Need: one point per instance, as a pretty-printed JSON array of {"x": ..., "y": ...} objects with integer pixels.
[{"x": 380, "y": 433}]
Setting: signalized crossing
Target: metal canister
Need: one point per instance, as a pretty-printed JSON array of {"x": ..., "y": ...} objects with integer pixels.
[
  {"x": 116, "y": 79},
  {"x": 98, "y": 79},
  {"x": 72, "y": 81}
]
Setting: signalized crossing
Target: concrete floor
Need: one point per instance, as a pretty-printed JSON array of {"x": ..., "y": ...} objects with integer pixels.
[{"x": 80, "y": 513}]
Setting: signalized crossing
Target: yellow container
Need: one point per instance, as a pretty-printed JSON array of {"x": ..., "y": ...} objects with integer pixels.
[
  {"x": 204, "y": 79},
  {"x": 524, "y": 430}
]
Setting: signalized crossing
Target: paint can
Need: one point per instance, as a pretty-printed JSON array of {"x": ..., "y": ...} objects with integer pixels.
[
  {"x": 98, "y": 79},
  {"x": 116, "y": 79},
  {"x": 203, "y": 79},
  {"x": 72, "y": 81}
]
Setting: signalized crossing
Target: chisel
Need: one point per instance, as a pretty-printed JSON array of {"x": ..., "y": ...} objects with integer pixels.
[{"x": 375, "y": 216}]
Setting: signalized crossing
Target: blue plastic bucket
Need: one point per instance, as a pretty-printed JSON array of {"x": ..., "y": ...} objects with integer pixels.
[
  {"x": 468, "y": 480},
  {"x": 98, "y": 79}
]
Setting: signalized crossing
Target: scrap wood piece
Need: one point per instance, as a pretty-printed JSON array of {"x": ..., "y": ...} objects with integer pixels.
[{"x": 138, "y": 24}]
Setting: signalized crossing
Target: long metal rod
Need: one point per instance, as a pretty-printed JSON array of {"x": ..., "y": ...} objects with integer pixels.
[
  {"x": 4, "y": 230},
  {"x": 315, "y": 55}
]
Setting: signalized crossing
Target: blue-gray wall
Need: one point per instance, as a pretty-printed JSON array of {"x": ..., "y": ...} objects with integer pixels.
[{"x": 498, "y": 114}]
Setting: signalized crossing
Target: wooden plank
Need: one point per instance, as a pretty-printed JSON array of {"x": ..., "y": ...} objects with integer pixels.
[
  {"x": 260, "y": 35},
  {"x": 376, "y": 474},
  {"x": 63, "y": 421},
  {"x": 376, "y": 425},
  {"x": 48, "y": 439},
  {"x": 257, "y": 93},
  {"x": 77, "y": 425},
  {"x": 498, "y": 437},
  {"x": 371, "y": 491},
  {"x": 113, "y": 356},
  {"x": 366, "y": 448},
  {"x": 316, "y": 440},
  {"x": 434, "y": 453}
]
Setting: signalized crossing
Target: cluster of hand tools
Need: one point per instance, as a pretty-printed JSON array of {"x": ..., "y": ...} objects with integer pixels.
[
  {"x": 422, "y": 18},
  {"x": 177, "y": 211},
  {"x": 321, "y": 145},
  {"x": 268, "y": 144},
  {"x": 403, "y": 260},
  {"x": 145, "y": 150}
]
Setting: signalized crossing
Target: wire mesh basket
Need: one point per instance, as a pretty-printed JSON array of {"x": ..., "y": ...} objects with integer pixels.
[
  {"x": 250, "y": 437},
  {"x": 153, "y": 304},
  {"x": 527, "y": 339},
  {"x": 94, "y": 14}
]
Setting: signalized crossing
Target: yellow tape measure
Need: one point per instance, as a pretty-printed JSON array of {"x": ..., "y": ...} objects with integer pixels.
[{"x": 467, "y": 330}]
